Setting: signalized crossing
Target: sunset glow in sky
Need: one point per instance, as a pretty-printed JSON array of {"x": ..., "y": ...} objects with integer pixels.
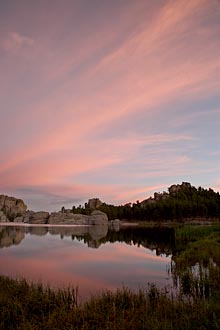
[{"x": 109, "y": 99}]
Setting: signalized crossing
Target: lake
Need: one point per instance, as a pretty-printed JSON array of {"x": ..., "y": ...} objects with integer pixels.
[{"x": 93, "y": 258}]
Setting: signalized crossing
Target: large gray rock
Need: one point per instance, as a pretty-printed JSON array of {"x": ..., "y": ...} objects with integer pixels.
[
  {"x": 32, "y": 217},
  {"x": 19, "y": 219},
  {"x": 12, "y": 207},
  {"x": 94, "y": 203},
  {"x": 98, "y": 218},
  {"x": 68, "y": 218}
]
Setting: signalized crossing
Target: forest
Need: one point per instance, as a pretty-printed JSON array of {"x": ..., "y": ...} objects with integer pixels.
[{"x": 181, "y": 202}]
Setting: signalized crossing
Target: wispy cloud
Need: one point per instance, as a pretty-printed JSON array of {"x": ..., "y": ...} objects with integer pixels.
[
  {"x": 16, "y": 41},
  {"x": 99, "y": 101}
]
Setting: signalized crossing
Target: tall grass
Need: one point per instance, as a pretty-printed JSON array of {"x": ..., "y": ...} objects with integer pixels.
[
  {"x": 27, "y": 306},
  {"x": 196, "y": 267},
  {"x": 196, "y": 232}
]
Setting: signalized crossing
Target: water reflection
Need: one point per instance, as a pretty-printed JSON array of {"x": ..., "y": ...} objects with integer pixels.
[
  {"x": 60, "y": 256},
  {"x": 160, "y": 239},
  {"x": 11, "y": 236}
]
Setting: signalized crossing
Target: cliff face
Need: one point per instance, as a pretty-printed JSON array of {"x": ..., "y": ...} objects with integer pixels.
[{"x": 11, "y": 207}]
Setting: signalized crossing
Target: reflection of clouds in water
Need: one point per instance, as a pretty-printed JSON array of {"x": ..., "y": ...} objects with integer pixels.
[{"x": 61, "y": 262}]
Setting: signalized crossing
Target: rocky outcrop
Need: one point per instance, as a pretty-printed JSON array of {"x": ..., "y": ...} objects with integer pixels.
[
  {"x": 175, "y": 188},
  {"x": 37, "y": 217},
  {"x": 161, "y": 196},
  {"x": 3, "y": 217},
  {"x": 68, "y": 218},
  {"x": 94, "y": 203},
  {"x": 98, "y": 218},
  {"x": 32, "y": 217},
  {"x": 12, "y": 207}
]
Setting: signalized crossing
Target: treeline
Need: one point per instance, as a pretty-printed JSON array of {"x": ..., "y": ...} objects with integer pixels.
[{"x": 186, "y": 202}]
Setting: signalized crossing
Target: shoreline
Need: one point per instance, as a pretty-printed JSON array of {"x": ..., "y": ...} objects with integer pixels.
[
  {"x": 123, "y": 223},
  {"x": 19, "y": 224}
]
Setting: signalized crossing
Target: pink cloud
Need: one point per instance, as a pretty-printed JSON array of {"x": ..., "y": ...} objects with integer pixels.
[
  {"x": 16, "y": 41},
  {"x": 76, "y": 93}
]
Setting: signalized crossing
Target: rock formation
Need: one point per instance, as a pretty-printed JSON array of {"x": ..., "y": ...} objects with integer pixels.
[
  {"x": 36, "y": 217},
  {"x": 65, "y": 218},
  {"x": 94, "y": 203},
  {"x": 68, "y": 218},
  {"x": 11, "y": 207},
  {"x": 177, "y": 187},
  {"x": 98, "y": 218},
  {"x": 3, "y": 217}
]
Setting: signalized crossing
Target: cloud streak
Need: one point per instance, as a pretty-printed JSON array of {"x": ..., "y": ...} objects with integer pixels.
[
  {"x": 110, "y": 102},
  {"x": 16, "y": 41}
]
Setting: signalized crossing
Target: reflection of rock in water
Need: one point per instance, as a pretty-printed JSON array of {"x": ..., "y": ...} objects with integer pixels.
[
  {"x": 160, "y": 239},
  {"x": 91, "y": 234},
  {"x": 11, "y": 236},
  {"x": 93, "y": 244},
  {"x": 114, "y": 225},
  {"x": 97, "y": 232},
  {"x": 68, "y": 231},
  {"x": 39, "y": 231}
]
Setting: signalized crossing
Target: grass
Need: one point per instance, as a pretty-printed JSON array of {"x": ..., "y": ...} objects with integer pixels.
[
  {"x": 196, "y": 267},
  {"x": 196, "y": 232},
  {"x": 197, "y": 244},
  {"x": 25, "y": 306}
]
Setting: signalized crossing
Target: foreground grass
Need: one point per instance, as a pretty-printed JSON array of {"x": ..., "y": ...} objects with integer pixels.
[{"x": 31, "y": 306}]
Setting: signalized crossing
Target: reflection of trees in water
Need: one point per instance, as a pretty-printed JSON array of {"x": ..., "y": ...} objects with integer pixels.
[
  {"x": 156, "y": 238},
  {"x": 161, "y": 239}
]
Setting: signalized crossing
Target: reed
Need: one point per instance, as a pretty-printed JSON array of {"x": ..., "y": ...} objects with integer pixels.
[{"x": 28, "y": 306}]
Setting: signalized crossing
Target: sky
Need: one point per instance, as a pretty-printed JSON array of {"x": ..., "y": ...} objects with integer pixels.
[{"x": 113, "y": 99}]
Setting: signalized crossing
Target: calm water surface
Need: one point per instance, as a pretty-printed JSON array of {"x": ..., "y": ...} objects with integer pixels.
[{"x": 92, "y": 258}]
